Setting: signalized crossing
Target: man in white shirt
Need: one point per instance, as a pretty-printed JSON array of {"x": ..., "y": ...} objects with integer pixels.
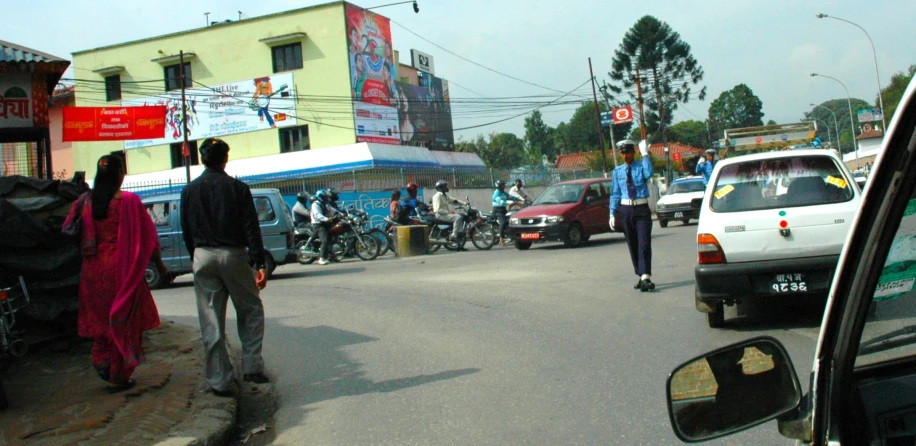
[
  {"x": 518, "y": 190},
  {"x": 442, "y": 211}
]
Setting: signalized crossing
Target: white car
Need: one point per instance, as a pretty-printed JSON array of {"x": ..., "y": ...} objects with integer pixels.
[
  {"x": 676, "y": 203},
  {"x": 772, "y": 224}
]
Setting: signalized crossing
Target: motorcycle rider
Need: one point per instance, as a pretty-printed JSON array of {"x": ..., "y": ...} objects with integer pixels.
[
  {"x": 443, "y": 213},
  {"x": 323, "y": 215},
  {"x": 410, "y": 204},
  {"x": 301, "y": 209},
  {"x": 518, "y": 190},
  {"x": 501, "y": 199}
]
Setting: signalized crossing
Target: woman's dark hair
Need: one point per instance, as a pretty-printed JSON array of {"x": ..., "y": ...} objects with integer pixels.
[
  {"x": 109, "y": 175},
  {"x": 214, "y": 152},
  {"x": 395, "y": 195}
]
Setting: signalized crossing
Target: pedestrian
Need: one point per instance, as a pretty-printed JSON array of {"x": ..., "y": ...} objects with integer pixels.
[
  {"x": 219, "y": 221},
  {"x": 630, "y": 209},
  {"x": 118, "y": 240},
  {"x": 706, "y": 164},
  {"x": 501, "y": 201}
]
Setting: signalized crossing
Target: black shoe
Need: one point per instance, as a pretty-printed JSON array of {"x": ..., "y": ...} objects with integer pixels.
[
  {"x": 638, "y": 285},
  {"x": 222, "y": 393},
  {"x": 647, "y": 285},
  {"x": 257, "y": 378}
]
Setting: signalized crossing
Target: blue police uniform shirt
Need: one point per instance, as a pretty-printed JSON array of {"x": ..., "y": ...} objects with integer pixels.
[
  {"x": 500, "y": 198},
  {"x": 706, "y": 170},
  {"x": 641, "y": 172}
]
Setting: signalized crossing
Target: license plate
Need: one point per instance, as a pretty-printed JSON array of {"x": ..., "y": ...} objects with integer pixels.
[
  {"x": 678, "y": 215},
  {"x": 788, "y": 283},
  {"x": 530, "y": 236}
]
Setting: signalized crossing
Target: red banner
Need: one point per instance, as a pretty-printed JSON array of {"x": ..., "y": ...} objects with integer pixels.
[{"x": 113, "y": 123}]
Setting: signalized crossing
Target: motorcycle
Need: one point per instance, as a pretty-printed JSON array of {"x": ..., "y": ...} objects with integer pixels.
[
  {"x": 12, "y": 299},
  {"x": 345, "y": 236},
  {"x": 476, "y": 229},
  {"x": 491, "y": 219}
]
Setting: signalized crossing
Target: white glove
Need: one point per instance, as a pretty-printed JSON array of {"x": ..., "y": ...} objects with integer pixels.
[
  {"x": 610, "y": 223},
  {"x": 643, "y": 148},
  {"x": 701, "y": 161}
]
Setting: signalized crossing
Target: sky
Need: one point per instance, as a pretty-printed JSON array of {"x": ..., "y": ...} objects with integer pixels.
[{"x": 771, "y": 46}]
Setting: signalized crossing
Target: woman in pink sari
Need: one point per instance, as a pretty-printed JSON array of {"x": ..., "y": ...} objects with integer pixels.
[{"x": 118, "y": 241}]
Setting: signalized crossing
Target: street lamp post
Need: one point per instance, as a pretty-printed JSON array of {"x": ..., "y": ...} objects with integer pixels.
[
  {"x": 835, "y": 126},
  {"x": 852, "y": 125},
  {"x": 828, "y": 129},
  {"x": 416, "y": 8}
]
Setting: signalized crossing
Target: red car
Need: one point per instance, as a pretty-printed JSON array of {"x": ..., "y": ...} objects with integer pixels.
[{"x": 570, "y": 212}]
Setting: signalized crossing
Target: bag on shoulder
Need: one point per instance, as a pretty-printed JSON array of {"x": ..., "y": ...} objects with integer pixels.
[{"x": 74, "y": 228}]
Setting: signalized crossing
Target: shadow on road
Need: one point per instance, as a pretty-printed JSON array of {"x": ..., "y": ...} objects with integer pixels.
[
  {"x": 661, "y": 286},
  {"x": 317, "y": 271},
  {"x": 780, "y": 313}
]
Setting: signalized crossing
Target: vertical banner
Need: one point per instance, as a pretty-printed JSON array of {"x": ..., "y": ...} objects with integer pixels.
[
  {"x": 372, "y": 73},
  {"x": 425, "y": 114}
]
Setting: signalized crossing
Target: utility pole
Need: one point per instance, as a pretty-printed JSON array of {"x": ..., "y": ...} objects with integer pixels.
[
  {"x": 185, "y": 151},
  {"x": 598, "y": 121},
  {"x": 642, "y": 116},
  {"x": 611, "y": 125}
]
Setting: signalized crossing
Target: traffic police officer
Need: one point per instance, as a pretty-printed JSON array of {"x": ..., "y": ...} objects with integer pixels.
[
  {"x": 706, "y": 165},
  {"x": 630, "y": 208}
]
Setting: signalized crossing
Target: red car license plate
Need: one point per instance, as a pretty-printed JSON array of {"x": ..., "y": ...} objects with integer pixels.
[{"x": 531, "y": 236}]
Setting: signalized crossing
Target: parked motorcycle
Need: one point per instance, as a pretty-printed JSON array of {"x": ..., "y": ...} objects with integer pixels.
[
  {"x": 13, "y": 297},
  {"x": 346, "y": 235}
]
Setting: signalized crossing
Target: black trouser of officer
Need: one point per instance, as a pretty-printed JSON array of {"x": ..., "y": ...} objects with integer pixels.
[
  {"x": 500, "y": 213},
  {"x": 636, "y": 222},
  {"x": 321, "y": 230}
]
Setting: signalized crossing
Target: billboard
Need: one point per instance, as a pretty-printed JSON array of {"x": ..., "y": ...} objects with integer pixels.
[
  {"x": 425, "y": 114},
  {"x": 113, "y": 123},
  {"x": 423, "y": 62},
  {"x": 237, "y": 107},
  {"x": 869, "y": 115},
  {"x": 372, "y": 74}
]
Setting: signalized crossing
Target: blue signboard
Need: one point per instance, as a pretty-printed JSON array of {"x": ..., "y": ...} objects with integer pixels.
[
  {"x": 606, "y": 119},
  {"x": 375, "y": 204}
]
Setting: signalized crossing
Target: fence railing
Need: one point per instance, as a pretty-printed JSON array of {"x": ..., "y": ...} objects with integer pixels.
[{"x": 382, "y": 179}]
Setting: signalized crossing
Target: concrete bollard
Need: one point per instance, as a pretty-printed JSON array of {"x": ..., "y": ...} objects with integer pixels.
[{"x": 411, "y": 241}]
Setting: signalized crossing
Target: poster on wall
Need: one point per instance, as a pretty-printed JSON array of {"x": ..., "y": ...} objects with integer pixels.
[
  {"x": 372, "y": 71},
  {"x": 425, "y": 114},
  {"x": 112, "y": 123},
  {"x": 254, "y": 104},
  {"x": 15, "y": 100}
]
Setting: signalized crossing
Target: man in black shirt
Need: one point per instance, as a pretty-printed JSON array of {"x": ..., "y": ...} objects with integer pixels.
[{"x": 221, "y": 231}]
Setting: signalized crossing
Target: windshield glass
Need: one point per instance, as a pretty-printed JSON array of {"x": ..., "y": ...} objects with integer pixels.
[
  {"x": 560, "y": 194},
  {"x": 890, "y": 328},
  {"x": 780, "y": 183},
  {"x": 684, "y": 187}
]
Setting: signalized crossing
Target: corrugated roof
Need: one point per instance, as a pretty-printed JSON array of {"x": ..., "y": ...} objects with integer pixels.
[
  {"x": 10, "y": 52},
  {"x": 572, "y": 160},
  {"x": 871, "y": 134}
]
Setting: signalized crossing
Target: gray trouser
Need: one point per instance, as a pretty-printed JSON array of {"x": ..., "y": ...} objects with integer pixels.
[
  {"x": 221, "y": 273},
  {"x": 457, "y": 221}
]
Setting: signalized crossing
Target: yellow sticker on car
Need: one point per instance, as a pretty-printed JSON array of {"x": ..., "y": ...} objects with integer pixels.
[
  {"x": 724, "y": 191},
  {"x": 838, "y": 182}
]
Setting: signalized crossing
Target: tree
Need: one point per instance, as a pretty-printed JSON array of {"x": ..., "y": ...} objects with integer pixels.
[
  {"x": 691, "y": 133},
  {"x": 771, "y": 122},
  {"x": 504, "y": 151},
  {"x": 582, "y": 132},
  {"x": 537, "y": 138},
  {"x": 654, "y": 64},
  {"x": 894, "y": 91},
  {"x": 735, "y": 108},
  {"x": 560, "y": 138},
  {"x": 841, "y": 109}
]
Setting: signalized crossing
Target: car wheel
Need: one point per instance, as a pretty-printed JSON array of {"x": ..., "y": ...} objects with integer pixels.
[
  {"x": 716, "y": 319},
  {"x": 152, "y": 277},
  {"x": 573, "y": 238},
  {"x": 663, "y": 223},
  {"x": 522, "y": 245},
  {"x": 269, "y": 264}
]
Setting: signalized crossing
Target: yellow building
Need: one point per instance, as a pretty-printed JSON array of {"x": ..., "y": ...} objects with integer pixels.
[{"x": 306, "y": 47}]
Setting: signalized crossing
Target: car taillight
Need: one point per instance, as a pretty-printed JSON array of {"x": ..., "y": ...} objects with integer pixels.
[
  {"x": 709, "y": 250},
  {"x": 3, "y": 295}
]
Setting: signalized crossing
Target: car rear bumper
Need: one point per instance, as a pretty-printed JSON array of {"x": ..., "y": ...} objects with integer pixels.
[
  {"x": 546, "y": 232},
  {"x": 726, "y": 282},
  {"x": 669, "y": 214}
]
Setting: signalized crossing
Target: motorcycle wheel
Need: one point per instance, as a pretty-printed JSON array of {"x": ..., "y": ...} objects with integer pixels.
[
  {"x": 482, "y": 236},
  {"x": 382, "y": 238},
  {"x": 366, "y": 247},
  {"x": 303, "y": 260}
]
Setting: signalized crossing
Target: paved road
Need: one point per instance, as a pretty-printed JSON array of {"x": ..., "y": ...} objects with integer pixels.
[{"x": 548, "y": 346}]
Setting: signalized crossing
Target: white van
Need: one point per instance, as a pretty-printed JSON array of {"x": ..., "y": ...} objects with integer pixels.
[{"x": 772, "y": 224}]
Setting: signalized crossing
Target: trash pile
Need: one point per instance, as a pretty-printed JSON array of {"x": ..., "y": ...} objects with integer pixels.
[{"x": 31, "y": 214}]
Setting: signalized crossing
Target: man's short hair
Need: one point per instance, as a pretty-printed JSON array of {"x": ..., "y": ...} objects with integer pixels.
[{"x": 214, "y": 152}]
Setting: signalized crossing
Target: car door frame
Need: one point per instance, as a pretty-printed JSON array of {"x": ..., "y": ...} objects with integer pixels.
[
  {"x": 858, "y": 271},
  {"x": 592, "y": 211}
]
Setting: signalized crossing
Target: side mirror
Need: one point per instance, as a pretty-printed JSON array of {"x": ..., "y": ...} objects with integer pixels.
[
  {"x": 696, "y": 203},
  {"x": 732, "y": 389}
]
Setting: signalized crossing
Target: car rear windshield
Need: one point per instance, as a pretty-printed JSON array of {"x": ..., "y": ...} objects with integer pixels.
[
  {"x": 561, "y": 193},
  {"x": 781, "y": 182},
  {"x": 686, "y": 187}
]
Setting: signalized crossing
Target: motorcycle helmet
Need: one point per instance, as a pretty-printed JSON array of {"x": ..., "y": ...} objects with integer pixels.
[
  {"x": 441, "y": 186},
  {"x": 412, "y": 189},
  {"x": 321, "y": 195},
  {"x": 500, "y": 183},
  {"x": 332, "y": 194},
  {"x": 303, "y": 198}
]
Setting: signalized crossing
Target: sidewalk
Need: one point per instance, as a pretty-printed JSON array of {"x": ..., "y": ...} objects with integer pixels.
[{"x": 57, "y": 398}]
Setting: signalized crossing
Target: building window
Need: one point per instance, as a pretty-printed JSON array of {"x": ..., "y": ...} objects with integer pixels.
[
  {"x": 173, "y": 77},
  {"x": 287, "y": 57},
  {"x": 178, "y": 158},
  {"x": 294, "y": 139},
  {"x": 113, "y": 87}
]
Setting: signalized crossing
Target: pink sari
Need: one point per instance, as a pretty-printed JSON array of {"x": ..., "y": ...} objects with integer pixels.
[{"x": 116, "y": 306}]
